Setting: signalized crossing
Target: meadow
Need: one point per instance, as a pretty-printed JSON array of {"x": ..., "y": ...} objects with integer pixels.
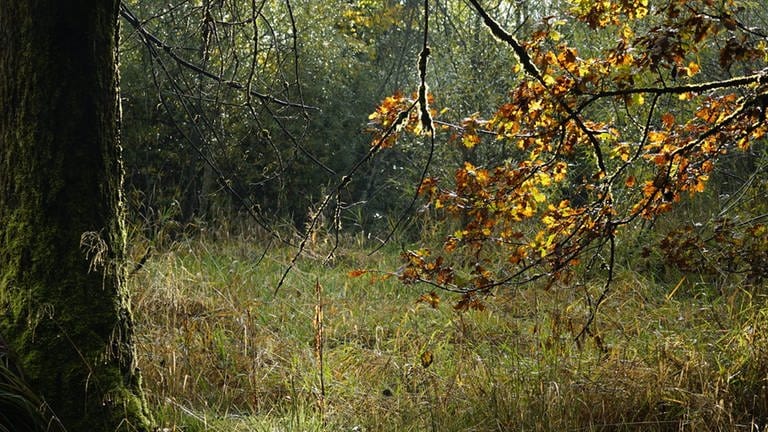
[{"x": 220, "y": 350}]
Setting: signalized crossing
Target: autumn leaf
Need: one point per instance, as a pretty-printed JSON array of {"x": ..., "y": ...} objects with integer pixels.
[
  {"x": 469, "y": 141},
  {"x": 430, "y": 298},
  {"x": 668, "y": 120},
  {"x": 427, "y": 358}
]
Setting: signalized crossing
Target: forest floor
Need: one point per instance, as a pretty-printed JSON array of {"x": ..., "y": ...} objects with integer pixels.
[{"x": 220, "y": 350}]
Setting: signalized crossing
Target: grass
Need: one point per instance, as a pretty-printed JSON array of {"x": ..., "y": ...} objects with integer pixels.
[{"x": 219, "y": 351}]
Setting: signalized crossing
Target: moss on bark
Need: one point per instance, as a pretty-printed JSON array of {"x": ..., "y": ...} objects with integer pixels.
[{"x": 63, "y": 304}]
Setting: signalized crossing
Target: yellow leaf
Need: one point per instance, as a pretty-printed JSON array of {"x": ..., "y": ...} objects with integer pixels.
[
  {"x": 427, "y": 358},
  {"x": 528, "y": 211},
  {"x": 701, "y": 184},
  {"x": 657, "y": 137},
  {"x": 469, "y": 141},
  {"x": 693, "y": 69},
  {"x": 627, "y": 32},
  {"x": 550, "y": 240},
  {"x": 622, "y": 151},
  {"x": 544, "y": 179},
  {"x": 482, "y": 177},
  {"x": 743, "y": 144}
]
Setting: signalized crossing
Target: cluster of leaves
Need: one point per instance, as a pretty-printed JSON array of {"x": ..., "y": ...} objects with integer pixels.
[
  {"x": 396, "y": 111},
  {"x": 601, "y": 138}
]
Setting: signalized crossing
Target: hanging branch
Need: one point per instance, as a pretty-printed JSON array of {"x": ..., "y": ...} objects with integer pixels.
[
  {"x": 343, "y": 182},
  {"x": 426, "y": 126},
  {"x": 424, "y": 116},
  {"x": 517, "y": 47}
]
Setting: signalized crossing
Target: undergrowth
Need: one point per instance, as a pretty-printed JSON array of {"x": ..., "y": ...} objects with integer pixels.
[{"x": 219, "y": 350}]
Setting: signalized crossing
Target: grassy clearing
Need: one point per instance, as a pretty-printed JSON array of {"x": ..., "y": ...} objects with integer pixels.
[{"x": 220, "y": 352}]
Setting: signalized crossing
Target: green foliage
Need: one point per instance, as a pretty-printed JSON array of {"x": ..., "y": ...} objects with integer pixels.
[
  {"x": 211, "y": 153},
  {"x": 216, "y": 152}
]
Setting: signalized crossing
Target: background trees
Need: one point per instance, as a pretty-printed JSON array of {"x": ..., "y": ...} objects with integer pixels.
[{"x": 205, "y": 139}]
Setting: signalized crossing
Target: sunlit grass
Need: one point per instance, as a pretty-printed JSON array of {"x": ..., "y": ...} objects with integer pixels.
[{"x": 220, "y": 351}]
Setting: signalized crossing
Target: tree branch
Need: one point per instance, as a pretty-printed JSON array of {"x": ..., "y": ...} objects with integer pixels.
[
  {"x": 758, "y": 78},
  {"x": 150, "y": 38}
]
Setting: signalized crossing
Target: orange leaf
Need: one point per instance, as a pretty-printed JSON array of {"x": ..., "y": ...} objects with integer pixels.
[
  {"x": 668, "y": 120},
  {"x": 357, "y": 273},
  {"x": 430, "y": 298},
  {"x": 656, "y": 137}
]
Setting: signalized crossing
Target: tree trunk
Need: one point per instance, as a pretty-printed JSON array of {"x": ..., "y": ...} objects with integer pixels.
[{"x": 64, "y": 308}]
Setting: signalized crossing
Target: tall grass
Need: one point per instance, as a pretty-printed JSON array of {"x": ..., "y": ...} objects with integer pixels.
[
  {"x": 220, "y": 351},
  {"x": 21, "y": 409}
]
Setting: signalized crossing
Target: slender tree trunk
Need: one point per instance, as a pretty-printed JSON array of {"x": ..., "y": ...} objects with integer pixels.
[
  {"x": 207, "y": 183},
  {"x": 64, "y": 308}
]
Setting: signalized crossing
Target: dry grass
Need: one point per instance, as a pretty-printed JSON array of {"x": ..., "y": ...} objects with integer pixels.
[{"x": 220, "y": 352}]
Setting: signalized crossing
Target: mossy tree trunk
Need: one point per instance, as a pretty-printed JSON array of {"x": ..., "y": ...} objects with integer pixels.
[{"x": 64, "y": 309}]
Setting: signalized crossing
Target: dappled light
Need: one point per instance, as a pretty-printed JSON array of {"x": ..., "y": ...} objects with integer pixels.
[{"x": 378, "y": 215}]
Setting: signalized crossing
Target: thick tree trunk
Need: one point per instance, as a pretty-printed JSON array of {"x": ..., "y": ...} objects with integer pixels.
[{"x": 63, "y": 304}]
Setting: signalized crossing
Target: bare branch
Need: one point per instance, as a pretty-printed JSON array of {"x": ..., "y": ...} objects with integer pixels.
[{"x": 150, "y": 38}]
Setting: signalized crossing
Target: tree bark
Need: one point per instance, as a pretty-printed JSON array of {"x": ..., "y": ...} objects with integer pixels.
[{"x": 64, "y": 308}]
